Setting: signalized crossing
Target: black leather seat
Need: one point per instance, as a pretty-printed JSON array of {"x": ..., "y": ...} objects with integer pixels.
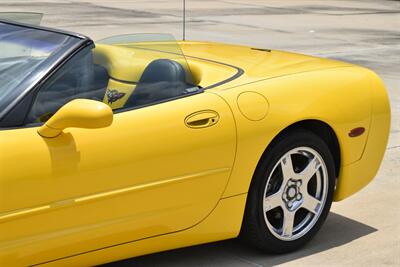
[{"x": 161, "y": 79}]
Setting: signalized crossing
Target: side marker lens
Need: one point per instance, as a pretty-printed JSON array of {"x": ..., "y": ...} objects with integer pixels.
[{"x": 356, "y": 131}]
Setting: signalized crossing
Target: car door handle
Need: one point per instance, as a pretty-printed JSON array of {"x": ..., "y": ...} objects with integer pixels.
[{"x": 202, "y": 119}]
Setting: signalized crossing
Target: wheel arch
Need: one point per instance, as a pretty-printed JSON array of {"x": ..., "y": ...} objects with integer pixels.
[{"x": 319, "y": 128}]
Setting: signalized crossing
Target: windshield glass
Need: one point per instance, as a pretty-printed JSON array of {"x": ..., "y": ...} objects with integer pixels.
[{"x": 26, "y": 54}]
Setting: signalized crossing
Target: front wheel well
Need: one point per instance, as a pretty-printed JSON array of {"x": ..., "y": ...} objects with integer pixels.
[{"x": 322, "y": 130}]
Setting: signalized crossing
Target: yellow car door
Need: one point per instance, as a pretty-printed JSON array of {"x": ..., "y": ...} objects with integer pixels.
[
  {"x": 157, "y": 169},
  {"x": 147, "y": 174}
]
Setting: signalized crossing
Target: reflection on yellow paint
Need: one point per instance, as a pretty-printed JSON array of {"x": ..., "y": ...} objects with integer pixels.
[{"x": 63, "y": 153}]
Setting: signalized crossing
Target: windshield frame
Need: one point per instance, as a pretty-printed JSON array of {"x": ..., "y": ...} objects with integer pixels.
[{"x": 33, "y": 81}]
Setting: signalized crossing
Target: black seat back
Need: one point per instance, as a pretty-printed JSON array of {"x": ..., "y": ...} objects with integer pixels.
[
  {"x": 161, "y": 79},
  {"x": 163, "y": 70}
]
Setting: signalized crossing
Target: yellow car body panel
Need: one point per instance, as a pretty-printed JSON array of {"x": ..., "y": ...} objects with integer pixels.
[
  {"x": 151, "y": 183},
  {"x": 357, "y": 175},
  {"x": 257, "y": 64},
  {"x": 137, "y": 179},
  {"x": 322, "y": 104},
  {"x": 223, "y": 223}
]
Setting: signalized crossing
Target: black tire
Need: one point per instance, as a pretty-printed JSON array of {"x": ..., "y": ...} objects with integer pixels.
[{"x": 254, "y": 228}]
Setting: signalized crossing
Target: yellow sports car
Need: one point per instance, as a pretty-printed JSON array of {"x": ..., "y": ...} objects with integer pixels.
[{"x": 139, "y": 143}]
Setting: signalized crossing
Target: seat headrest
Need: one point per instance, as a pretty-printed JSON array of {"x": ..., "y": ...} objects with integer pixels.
[{"x": 163, "y": 70}]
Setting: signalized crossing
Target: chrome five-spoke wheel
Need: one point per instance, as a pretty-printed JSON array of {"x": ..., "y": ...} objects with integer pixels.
[
  {"x": 291, "y": 192},
  {"x": 295, "y": 193}
]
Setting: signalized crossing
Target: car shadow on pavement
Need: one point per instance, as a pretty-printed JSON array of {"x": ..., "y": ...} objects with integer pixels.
[{"x": 337, "y": 230}]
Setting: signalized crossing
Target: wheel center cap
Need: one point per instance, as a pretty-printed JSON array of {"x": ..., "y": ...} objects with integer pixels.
[{"x": 291, "y": 192}]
